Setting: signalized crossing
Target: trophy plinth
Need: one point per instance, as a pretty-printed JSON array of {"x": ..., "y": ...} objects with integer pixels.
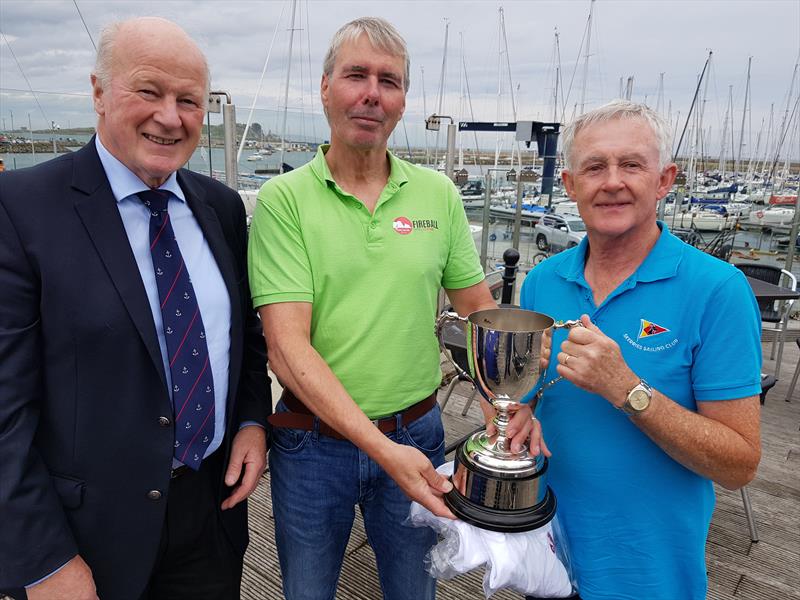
[{"x": 494, "y": 488}]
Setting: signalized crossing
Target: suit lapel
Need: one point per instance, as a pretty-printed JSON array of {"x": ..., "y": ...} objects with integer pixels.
[
  {"x": 212, "y": 228},
  {"x": 98, "y": 211}
]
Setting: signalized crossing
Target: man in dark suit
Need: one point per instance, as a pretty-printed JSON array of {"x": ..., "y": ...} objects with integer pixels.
[{"x": 130, "y": 434}]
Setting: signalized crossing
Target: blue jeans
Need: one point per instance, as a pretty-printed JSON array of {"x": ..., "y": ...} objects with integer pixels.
[{"x": 316, "y": 483}]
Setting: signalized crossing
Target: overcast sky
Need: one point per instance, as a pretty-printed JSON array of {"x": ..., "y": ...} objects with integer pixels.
[{"x": 639, "y": 39}]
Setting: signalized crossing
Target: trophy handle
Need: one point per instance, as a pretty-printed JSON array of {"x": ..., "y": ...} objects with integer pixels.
[
  {"x": 540, "y": 387},
  {"x": 443, "y": 319}
]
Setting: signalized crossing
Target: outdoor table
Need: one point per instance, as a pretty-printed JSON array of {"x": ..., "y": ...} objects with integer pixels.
[{"x": 764, "y": 290}]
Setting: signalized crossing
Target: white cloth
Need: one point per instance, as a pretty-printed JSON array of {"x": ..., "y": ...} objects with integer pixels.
[{"x": 525, "y": 562}]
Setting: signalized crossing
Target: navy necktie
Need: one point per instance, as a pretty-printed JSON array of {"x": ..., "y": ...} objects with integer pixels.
[{"x": 192, "y": 382}]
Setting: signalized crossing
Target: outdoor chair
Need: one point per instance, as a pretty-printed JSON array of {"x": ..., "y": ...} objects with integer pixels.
[
  {"x": 775, "y": 313},
  {"x": 446, "y": 397},
  {"x": 748, "y": 514},
  {"x": 795, "y": 376},
  {"x": 767, "y": 383}
]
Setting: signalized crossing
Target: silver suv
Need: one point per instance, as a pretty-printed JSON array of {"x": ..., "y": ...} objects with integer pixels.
[{"x": 559, "y": 232}]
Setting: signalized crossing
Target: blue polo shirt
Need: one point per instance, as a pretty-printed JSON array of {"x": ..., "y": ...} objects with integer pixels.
[{"x": 689, "y": 325}]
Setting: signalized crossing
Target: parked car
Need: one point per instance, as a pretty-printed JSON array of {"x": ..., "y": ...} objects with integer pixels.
[
  {"x": 783, "y": 242},
  {"x": 558, "y": 232}
]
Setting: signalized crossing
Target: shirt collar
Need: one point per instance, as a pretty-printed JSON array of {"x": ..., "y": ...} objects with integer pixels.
[
  {"x": 661, "y": 262},
  {"x": 398, "y": 174},
  {"x": 124, "y": 183}
]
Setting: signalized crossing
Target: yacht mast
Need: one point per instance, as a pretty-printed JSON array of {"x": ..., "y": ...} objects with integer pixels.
[
  {"x": 701, "y": 117},
  {"x": 258, "y": 89},
  {"x": 660, "y": 94},
  {"x": 724, "y": 139},
  {"x": 698, "y": 120},
  {"x": 754, "y": 157},
  {"x": 586, "y": 57},
  {"x": 515, "y": 146},
  {"x": 499, "y": 101},
  {"x": 558, "y": 78},
  {"x": 784, "y": 123},
  {"x": 440, "y": 99},
  {"x": 425, "y": 112},
  {"x": 475, "y": 157},
  {"x": 768, "y": 143},
  {"x": 744, "y": 114},
  {"x": 629, "y": 88},
  {"x": 691, "y": 108},
  {"x": 461, "y": 107},
  {"x": 690, "y": 163},
  {"x": 286, "y": 92}
]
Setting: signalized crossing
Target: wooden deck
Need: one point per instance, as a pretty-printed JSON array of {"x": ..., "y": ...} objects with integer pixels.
[{"x": 737, "y": 568}]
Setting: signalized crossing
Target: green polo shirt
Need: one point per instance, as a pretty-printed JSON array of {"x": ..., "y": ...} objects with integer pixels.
[{"x": 373, "y": 279}]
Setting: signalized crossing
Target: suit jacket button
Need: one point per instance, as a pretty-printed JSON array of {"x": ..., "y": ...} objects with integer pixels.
[
  {"x": 164, "y": 421},
  {"x": 154, "y": 495}
]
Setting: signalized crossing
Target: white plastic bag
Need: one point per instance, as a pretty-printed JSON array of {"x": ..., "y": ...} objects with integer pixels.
[{"x": 526, "y": 562}]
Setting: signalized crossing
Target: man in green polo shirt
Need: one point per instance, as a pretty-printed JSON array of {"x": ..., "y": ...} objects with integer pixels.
[{"x": 347, "y": 255}]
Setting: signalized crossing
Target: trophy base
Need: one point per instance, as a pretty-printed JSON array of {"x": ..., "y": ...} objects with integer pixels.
[{"x": 504, "y": 521}]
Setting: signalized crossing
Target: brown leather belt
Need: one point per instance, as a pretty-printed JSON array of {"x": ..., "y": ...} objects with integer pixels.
[{"x": 300, "y": 417}]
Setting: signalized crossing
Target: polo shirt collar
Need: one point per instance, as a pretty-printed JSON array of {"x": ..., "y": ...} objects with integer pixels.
[
  {"x": 398, "y": 174},
  {"x": 661, "y": 263}
]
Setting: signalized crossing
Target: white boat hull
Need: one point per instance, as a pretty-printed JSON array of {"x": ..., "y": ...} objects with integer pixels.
[
  {"x": 781, "y": 216},
  {"x": 701, "y": 221}
]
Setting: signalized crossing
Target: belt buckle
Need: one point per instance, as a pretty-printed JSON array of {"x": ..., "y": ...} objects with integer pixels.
[
  {"x": 377, "y": 422},
  {"x": 177, "y": 471}
]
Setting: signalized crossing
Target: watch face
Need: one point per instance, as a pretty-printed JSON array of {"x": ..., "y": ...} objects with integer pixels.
[{"x": 639, "y": 399}]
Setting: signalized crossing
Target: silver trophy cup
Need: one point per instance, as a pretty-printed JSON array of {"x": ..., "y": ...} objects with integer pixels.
[{"x": 494, "y": 488}]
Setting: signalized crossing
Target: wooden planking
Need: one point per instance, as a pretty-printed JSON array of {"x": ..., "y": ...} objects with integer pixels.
[
  {"x": 771, "y": 567},
  {"x": 726, "y": 583},
  {"x": 359, "y": 573}
]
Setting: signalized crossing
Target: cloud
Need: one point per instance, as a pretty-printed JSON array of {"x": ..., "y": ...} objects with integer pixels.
[{"x": 630, "y": 39}]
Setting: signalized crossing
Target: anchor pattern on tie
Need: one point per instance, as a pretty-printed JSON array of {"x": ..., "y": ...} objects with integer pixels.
[{"x": 192, "y": 381}]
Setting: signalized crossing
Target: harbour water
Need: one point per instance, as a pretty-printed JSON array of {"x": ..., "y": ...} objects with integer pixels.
[
  {"x": 198, "y": 162},
  {"x": 748, "y": 245}
]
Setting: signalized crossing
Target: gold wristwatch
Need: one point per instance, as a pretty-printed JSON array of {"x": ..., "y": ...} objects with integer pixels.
[{"x": 638, "y": 399}]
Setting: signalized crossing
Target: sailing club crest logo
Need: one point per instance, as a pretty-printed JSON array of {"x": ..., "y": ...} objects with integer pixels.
[
  {"x": 650, "y": 329},
  {"x": 648, "y": 339},
  {"x": 402, "y": 226}
]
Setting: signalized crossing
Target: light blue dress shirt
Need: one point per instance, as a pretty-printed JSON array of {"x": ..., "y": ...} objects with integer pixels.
[{"x": 209, "y": 287}]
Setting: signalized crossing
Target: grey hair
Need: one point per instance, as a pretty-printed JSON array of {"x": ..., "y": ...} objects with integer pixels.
[
  {"x": 104, "y": 62},
  {"x": 620, "y": 109},
  {"x": 381, "y": 34},
  {"x": 105, "y": 53}
]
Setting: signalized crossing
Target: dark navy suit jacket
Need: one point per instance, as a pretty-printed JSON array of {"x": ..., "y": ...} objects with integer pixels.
[{"x": 82, "y": 382}]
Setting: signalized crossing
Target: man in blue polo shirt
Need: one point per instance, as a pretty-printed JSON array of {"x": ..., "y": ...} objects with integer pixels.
[{"x": 660, "y": 389}]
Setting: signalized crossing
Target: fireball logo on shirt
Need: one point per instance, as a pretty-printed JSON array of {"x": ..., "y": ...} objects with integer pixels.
[
  {"x": 402, "y": 226},
  {"x": 649, "y": 329}
]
